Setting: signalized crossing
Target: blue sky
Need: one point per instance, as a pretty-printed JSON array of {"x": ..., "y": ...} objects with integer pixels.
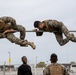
[{"x": 26, "y": 12}]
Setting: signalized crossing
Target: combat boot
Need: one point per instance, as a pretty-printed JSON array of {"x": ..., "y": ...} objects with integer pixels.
[
  {"x": 26, "y": 43},
  {"x": 32, "y": 45}
]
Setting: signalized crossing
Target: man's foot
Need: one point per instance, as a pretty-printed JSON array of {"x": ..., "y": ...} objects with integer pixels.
[{"x": 32, "y": 45}]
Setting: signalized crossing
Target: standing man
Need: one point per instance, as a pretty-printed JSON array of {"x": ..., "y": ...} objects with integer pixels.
[
  {"x": 8, "y": 26},
  {"x": 24, "y": 69},
  {"x": 55, "y": 68},
  {"x": 58, "y": 28}
]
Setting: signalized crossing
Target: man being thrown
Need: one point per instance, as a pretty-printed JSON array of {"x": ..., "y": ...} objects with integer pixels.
[
  {"x": 8, "y": 26},
  {"x": 58, "y": 28}
]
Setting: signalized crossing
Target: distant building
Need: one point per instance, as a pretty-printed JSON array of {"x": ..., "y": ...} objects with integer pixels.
[
  {"x": 7, "y": 67},
  {"x": 67, "y": 65}
]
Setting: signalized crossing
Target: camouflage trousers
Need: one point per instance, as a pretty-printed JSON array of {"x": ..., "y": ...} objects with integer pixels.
[
  {"x": 20, "y": 29},
  {"x": 16, "y": 27},
  {"x": 68, "y": 35},
  {"x": 13, "y": 39}
]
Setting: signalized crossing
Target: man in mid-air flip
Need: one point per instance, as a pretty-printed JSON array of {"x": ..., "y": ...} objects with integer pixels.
[
  {"x": 8, "y": 26},
  {"x": 58, "y": 28}
]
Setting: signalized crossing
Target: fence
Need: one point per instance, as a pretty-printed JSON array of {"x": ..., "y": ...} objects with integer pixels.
[{"x": 13, "y": 71}]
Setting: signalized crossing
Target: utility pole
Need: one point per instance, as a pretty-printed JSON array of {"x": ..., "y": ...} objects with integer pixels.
[
  {"x": 4, "y": 68},
  {"x": 9, "y": 60}
]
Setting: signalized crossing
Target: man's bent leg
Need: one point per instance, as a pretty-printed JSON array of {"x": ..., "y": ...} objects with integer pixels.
[
  {"x": 60, "y": 39},
  {"x": 22, "y": 31},
  {"x": 11, "y": 37},
  {"x": 68, "y": 34}
]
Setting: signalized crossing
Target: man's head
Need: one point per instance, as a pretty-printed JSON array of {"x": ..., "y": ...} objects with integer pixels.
[
  {"x": 24, "y": 59},
  {"x": 53, "y": 58},
  {"x": 39, "y": 25},
  {"x": 36, "y": 24}
]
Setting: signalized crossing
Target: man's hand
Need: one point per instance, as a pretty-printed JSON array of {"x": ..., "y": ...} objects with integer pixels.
[
  {"x": 9, "y": 31},
  {"x": 35, "y": 30}
]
